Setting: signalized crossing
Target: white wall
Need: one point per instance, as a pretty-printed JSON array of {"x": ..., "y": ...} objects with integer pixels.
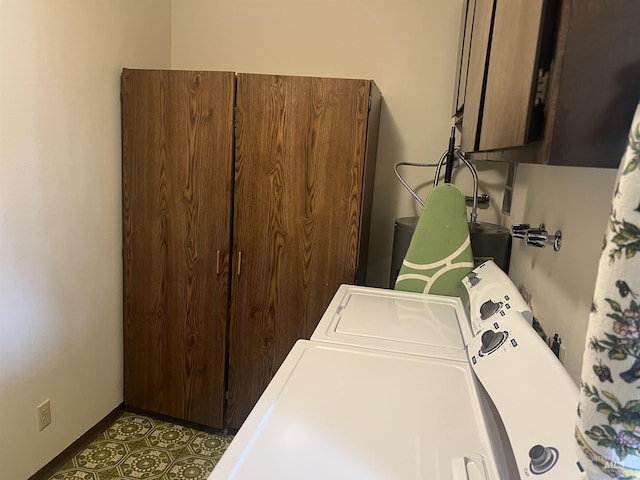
[
  {"x": 560, "y": 285},
  {"x": 60, "y": 234},
  {"x": 409, "y": 48},
  {"x": 576, "y": 201}
]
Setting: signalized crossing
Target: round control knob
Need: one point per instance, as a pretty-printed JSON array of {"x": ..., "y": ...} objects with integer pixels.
[
  {"x": 492, "y": 340},
  {"x": 542, "y": 459},
  {"x": 488, "y": 308},
  {"x": 473, "y": 278}
]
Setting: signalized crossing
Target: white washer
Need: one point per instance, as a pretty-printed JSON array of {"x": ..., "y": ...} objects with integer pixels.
[
  {"x": 427, "y": 325},
  {"x": 386, "y": 389}
]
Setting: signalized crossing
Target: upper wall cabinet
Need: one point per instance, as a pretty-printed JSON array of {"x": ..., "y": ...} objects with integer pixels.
[{"x": 548, "y": 81}]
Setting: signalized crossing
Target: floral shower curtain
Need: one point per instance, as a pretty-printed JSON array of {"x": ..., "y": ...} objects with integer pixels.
[{"x": 608, "y": 422}]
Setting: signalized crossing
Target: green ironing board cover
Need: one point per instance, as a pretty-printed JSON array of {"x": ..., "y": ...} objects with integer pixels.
[{"x": 439, "y": 255}]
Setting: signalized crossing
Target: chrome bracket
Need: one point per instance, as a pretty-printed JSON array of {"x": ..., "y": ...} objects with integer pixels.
[{"x": 536, "y": 237}]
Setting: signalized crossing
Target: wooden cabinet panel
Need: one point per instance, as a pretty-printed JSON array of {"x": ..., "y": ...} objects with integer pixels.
[
  {"x": 478, "y": 35},
  {"x": 595, "y": 84},
  {"x": 177, "y": 172},
  {"x": 512, "y": 75},
  {"x": 579, "y": 114},
  {"x": 300, "y": 154},
  {"x": 462, "y": 65},
  {"x": 246, "y": 204}
]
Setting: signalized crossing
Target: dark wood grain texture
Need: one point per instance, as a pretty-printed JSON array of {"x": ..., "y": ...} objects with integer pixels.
[
  {"x": 177, "y": 174},
  {"x": 300, "y": 163},
  {"x": 593, "y": 90},
  {"x": 596, "y": 86}
]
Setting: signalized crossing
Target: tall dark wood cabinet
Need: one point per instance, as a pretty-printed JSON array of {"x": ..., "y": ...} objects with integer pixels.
[{"x": 246, "y": 204}]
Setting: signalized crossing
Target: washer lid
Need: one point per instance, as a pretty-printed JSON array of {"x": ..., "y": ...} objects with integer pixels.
[
  {"x": 395, "y": 321},
  {"x": 337, "y": 412}
]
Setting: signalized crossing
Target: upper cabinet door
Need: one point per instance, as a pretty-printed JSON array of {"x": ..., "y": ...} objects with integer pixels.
[
  {"x": 476, "y": 35},
  {"x": 300, "y": 168},
  {"x": 519, "y": 55},
  {"x": 177, "y": 148},
  {"x": 551, "y": 82}
]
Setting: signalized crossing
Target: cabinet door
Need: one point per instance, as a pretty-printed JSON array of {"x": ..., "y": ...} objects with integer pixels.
[
  {"x": 300, "y": 149},
  {"x": 177, "y": 171},
  {"x": 476, "y": 37},
  {"x": 520, "y": 52}
]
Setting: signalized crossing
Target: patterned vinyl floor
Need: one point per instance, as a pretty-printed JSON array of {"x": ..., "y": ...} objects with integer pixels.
[{"x": 137, "y": 447}]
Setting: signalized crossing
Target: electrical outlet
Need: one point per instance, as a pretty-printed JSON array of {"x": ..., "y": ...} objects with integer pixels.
[{"x": 44, "y": 414}]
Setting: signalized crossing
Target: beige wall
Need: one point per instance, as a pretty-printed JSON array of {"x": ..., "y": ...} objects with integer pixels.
[
  {"x": 60, "y": 271},
  {"x": 560, "y": 284},
  {"x": 60, "y": 234},
  {"x": 409, "y": 48},
  {"x": 576, "y": 201}
]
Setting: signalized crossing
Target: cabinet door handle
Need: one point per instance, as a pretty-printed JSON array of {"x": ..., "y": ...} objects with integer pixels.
[
  {"x": 239, "y": 262},
  {"x": 218, "y": 262}
]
